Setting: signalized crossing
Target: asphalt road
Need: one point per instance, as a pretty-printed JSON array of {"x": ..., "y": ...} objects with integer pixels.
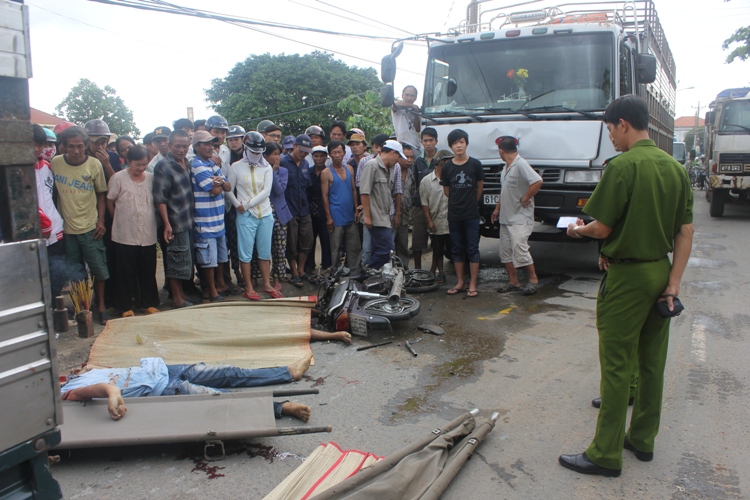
[{"x": 533, "y": 359}]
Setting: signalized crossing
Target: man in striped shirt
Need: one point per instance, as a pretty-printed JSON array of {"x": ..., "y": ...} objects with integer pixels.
[{"x": 210, "y": 236}]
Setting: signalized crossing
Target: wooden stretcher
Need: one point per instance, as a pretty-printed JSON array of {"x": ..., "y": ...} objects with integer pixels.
[{"x": 210, "y": 419}]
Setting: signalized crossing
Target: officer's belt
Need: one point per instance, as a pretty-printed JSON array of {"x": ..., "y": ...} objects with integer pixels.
[{"x": 610, "y": 260}]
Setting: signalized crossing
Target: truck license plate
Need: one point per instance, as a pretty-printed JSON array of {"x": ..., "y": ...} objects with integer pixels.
[{"x": 491, "y": 199}]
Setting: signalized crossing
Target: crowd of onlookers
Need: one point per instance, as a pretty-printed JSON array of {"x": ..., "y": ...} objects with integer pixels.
[{"x": 223, "y": 201}]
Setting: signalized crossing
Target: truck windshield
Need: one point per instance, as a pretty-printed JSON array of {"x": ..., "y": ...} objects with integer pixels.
[
  {"x": 573, "y": 71},
  {"x": 736, "y": 118}
]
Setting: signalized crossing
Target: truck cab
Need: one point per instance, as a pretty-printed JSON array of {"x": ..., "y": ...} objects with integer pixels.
[
  {"x": 728, "y": 149},
  {"x": 546, "y": 77}
]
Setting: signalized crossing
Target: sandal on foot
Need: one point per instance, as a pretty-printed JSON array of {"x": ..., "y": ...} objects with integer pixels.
[
  {"x": 530, "y": 288},
  {"x": 219, "y": 298},
  {"x": 472, "y": 293},
  {"x": 296, "y": 281},
  {"x": 455, "y": 290},
  {"x": 187, "y": 303},
  {"x": 507, "y": 287},
  {"x": 251, "y": 295},
  {"x": 275, "y": 294},
  {"x": 128, "y": 314},
  {"x": 150, "y": 310},
  {"x": 278, "y": 287},
  {"x": 104, "y": 316}
]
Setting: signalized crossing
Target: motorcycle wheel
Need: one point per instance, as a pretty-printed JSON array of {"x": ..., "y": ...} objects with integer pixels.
[
  {"x": 420, "y": 281},
  {"x": 406, "y": 308}
]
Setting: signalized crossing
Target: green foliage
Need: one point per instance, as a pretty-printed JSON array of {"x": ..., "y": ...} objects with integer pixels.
[
  {"x": 87, "y": 101},
  {"x": 265, "y": 85},
  {"x": 367, "y": 114},
  {"x": 741, "y": 36}
]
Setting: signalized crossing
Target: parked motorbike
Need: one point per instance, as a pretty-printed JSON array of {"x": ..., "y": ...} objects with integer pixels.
[
  {"x": 700, "y": 178},
  {"x": 361, "y": 307}
]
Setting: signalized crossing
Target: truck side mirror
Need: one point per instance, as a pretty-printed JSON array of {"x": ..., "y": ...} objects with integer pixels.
[
  {"x": 710, "y": 117},
  {"x": 386, "y": 96},
  {"x": 388, "y": 64},
  {"x": 645, "y": 68}
]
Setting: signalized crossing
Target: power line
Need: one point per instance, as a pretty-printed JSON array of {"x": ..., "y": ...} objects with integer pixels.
[
  {"x": 364, "y": 17},
  {"x": 318, "y": 9},
  {"x": 166, "y": 7}
]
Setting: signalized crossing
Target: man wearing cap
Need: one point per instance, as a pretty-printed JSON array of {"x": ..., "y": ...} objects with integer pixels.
[
  {"x": 210, "y": 235},
  {"x": 317, "y": 214},
  {"x": 173, "y": 197},
  {"x": 377, "y": 186},
  {"x": 405, "y": 121},
  {"x": 423, "y": 165},
  {"x": 160, "y": 140},
  {"x": 99, "y": 136},
  {"x": 340, "y": 203},
  {"x": 288, "y": 144},
  {"x": 515, "y": 213},
  {"x": 299, "y": 230},
  {"x": 435, "y": 209},
  {"x": 377, "y": 145},
  {"x": 357, "y": 144}
]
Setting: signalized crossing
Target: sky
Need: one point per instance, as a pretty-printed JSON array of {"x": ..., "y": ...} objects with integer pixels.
[{"x": 161, "y": 64}]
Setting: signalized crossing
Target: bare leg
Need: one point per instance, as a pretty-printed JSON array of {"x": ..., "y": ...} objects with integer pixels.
[
  {"x": 417, "y": 259},
  {"x": 318, "y": 335},
  {"x": 265, "y": 271},
  {"x": 99, "y": 288},
  {"x": 301, "y": 259},
  {"x": 297, "y": 410},
  {"x": 474, "y": 272},
  {"x": 512, "y": 273},
  {"x": 533, "y": 278},
  {"x": 459, "y": 274},
  {"x": 221, "y": 285},
  {"x": 178, "y": 296},
  {"x": 298, "y": 368},
  {"x": 208, "y": 282},
  {"x": 245, "y": 267},
  {"x": 293, "y": 266}
]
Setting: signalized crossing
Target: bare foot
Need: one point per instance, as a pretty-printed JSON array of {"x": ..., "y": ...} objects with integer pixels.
[
  {"x": 344, "y": 337},
  {"x": 297, "y": 410},
  {"x": 277, "y": 286},
  {"x": 298, "y": 368}
]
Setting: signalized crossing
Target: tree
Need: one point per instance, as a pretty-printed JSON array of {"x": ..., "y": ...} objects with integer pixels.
[
  {"x": 741, "y": 36},
  {"x": 689, "y": 140},
  {"x": 367, "y": 114},
  {"x": 87, "y": 101},
  {"x": 268, "y": 86}
]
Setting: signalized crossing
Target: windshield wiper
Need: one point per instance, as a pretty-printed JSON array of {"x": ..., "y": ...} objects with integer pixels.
[
  {"x": 735, "y": 125},
  {"x": 588, "y": 114}
]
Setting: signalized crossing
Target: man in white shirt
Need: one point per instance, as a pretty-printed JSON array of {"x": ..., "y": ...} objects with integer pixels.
[{"x": 405, "y": 121}]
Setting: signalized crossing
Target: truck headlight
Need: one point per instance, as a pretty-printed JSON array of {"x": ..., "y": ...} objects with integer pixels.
[{"x": 583, "y": 176}]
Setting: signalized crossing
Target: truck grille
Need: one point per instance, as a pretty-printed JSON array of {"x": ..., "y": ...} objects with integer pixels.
[
  {"x": 492, "y": 179},
  {"x": 549, "y": 174},
  {"x": 734, "y": 158}
]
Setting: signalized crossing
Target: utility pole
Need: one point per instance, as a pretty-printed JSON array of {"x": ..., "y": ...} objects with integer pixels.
[{"x": 695, "y": 128}]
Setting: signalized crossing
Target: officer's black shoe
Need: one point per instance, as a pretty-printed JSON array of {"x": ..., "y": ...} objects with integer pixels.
[
  {"x": 580, "y": 463},
  {"x": 643, "y": 456},
  {"x": 596, "y": 403}
]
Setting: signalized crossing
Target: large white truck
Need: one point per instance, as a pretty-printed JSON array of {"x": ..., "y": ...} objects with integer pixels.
[
  {"x": 728, "y": 149},
  {"x": 546, "y": 76}
]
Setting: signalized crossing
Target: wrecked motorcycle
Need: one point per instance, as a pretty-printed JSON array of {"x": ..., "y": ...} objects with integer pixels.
[{"x": 346, "y": 304}]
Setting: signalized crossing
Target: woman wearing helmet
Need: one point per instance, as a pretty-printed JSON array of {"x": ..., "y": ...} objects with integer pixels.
[{"x": 252, "y": 179}]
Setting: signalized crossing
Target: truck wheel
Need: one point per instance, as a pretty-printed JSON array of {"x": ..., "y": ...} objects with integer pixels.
[{"x": 718, "y": 199}]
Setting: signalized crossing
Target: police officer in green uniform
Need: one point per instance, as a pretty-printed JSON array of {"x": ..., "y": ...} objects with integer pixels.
[{"x": 643, "y": 209}]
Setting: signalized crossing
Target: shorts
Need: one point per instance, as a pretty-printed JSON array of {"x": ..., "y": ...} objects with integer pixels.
[
  {"x": 254, "y": 233},
  {"x": 210, "y": 252},
  {"x": 418, "y": 230},
  {"x": 84, "y": 248},
  {"x": 299, "y": 236},
  {"x": 464, "y": 240},
  {"x": 514, "y": 244},
  {"x": 179, "y": 257}
]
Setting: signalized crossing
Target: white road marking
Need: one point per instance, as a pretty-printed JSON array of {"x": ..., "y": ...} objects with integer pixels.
[{"x": 699, "y": 342}]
